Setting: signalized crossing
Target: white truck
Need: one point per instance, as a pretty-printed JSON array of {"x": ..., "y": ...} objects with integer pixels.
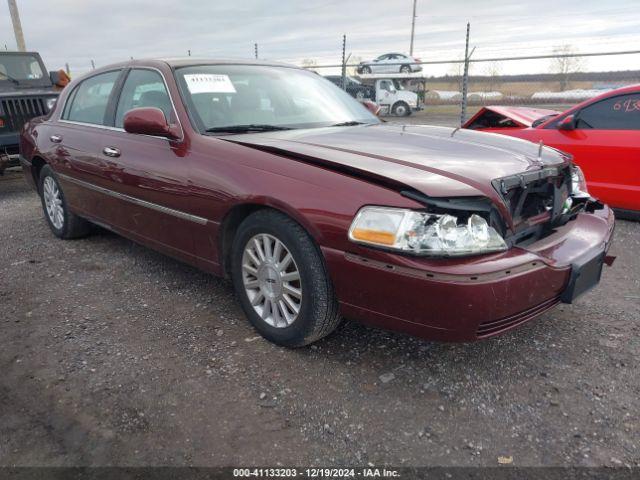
[
  {"x": 388, "y": 93},
  {"x": 394, "y": 99}
]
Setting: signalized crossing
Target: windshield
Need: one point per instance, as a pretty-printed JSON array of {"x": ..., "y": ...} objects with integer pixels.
[
  {"x": 20, "y": 67},
  {"x": 220, "y": 96}
]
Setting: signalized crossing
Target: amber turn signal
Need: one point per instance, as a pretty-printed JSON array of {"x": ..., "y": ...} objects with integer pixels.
[{"x": 373, "y": 236}]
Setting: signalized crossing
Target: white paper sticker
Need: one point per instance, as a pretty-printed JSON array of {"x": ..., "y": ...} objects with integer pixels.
[{"x": 209, "y": 83}]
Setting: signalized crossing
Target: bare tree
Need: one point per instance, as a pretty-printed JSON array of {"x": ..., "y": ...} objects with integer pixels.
[
  {"x": 493, "y": 70},
  {"x": 310, "y": 63},
  {"x": 456, "y": 72},
  {"x": 353, "y": 60},
  {"x": 564, "y": 65}
]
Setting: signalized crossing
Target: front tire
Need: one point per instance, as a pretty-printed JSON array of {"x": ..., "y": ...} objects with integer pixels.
[
  {"x": 62, "y": 222},
  {"x": 366, "y": 70},
  {"x": 401, "y": 109},
  {"x": 281, "y": 281},
  {"x": 405, "y": 69}
]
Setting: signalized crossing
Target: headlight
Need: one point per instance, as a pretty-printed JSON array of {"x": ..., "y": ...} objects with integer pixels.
[
  {"x": 578, "y": 182},
  {"x": 50, "y": 103},
  {"x": 424, "y": 233}
]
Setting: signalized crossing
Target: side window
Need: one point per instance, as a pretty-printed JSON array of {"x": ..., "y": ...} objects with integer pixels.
[
  {"x": 616, "y": 113},
  {"x": 143, "y": 88},
  {"x": 88, "y": 102},
  {"x": 386, "y": 85}
]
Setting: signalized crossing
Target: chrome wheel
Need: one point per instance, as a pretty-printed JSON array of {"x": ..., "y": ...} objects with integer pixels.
[
  {"x": 53, "y": 202},
  {"x": 271, "y": 280}
]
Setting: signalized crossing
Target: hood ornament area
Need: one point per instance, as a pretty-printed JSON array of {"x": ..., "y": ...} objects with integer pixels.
[{"x": 539, "y": 162}]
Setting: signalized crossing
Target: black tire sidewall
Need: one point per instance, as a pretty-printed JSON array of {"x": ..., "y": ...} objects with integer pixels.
[
  {"x": 309, "y": 265},
  {"x": 401, "y": 104},
  {"x": 47, "y": 171}
]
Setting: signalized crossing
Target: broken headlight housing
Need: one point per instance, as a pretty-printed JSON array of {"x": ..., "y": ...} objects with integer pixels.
[
  {"x": 424, "y": 233},
  {"x": 578, "y": 183}
]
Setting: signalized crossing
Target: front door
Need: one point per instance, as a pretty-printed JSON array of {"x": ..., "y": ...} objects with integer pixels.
[{"x": 149, "y": 175}]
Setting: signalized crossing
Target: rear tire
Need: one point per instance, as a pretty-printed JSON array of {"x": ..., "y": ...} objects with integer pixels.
[
  {"x": 62, "y": 222},
  {"x": 311, "y": 310}
]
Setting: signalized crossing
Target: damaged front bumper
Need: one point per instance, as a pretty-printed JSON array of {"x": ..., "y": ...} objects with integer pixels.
[{"x": 470, "y": 298}]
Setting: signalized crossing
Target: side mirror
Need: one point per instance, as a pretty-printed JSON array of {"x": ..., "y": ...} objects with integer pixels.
[
  {"x": 371, "y": 106},
  {"x": 567, "y": 123},
  {"x": 149, "y": 121},
  {"x": 59, "y": 78},
  {"x": 55, "y": 77}
]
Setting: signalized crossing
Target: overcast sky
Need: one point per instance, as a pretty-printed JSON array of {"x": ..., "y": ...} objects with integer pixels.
[{"x": 76, "y": 31}]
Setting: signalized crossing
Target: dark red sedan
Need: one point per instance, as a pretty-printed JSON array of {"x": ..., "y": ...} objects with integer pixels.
[
  {"x": 602, "y": 134},
  {"x": 275, "y": 177}
]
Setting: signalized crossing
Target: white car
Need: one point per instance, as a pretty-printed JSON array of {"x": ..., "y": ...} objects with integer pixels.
[{"x": 391, "y": 63}]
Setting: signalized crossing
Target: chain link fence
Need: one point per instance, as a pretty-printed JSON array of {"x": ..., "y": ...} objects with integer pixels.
[
  {"x": 554, "y": 81},
  {"x": 551, "y": 81}
]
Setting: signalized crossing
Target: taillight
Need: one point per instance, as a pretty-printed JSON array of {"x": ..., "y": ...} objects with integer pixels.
[
  {"x": 1, "y": 122},
  {"x": 417, "y": 60}
]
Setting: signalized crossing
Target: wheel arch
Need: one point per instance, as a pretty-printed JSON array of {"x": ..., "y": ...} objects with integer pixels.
[
  {"x": 37, "y": 163},
  {"x": 240, "y": 211}
]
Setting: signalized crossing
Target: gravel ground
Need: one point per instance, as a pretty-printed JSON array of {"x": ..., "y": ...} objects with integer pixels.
[{"x": 112, "y": 354}]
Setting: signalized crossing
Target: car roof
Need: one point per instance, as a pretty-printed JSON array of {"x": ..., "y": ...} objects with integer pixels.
[{"x": 178, "y": 62}]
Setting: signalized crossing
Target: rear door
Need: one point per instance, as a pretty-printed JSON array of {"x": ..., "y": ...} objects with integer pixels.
[
  {"x": 149, "y": 174},
  {"x": 606, "y": 145},
  {"x": 75, "y": 141}
]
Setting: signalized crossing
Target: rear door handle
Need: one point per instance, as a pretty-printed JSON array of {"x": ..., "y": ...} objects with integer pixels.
[
  {"x": 55, "y": 138},
  {"x": 111, "y": 151}
]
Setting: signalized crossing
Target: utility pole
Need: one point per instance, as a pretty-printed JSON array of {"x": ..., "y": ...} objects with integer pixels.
[
  {"x": 413, "y": 27},
  {"x": 465, "y": 78},
  {"x": 344, "y": 63},
  {"x": 17, "y": 26}
]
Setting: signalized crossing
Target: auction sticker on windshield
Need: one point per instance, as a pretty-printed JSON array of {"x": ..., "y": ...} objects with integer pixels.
[{"x": 209, "y": 83}]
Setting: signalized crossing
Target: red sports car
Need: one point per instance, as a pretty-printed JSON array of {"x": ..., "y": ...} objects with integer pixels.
[
  {"x": 602, "y": 134},
  {"x": 275, "y": 177}
]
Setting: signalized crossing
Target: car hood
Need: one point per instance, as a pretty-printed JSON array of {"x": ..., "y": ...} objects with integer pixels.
[
  {"x": 522, "y": 116},
  {"x": 436, "y": 161}
]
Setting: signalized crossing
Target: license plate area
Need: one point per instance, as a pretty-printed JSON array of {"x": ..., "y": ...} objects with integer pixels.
[{"x": 584, "y": 276}]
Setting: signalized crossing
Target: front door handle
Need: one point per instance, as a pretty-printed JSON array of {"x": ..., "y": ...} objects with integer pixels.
[
  {"x": 55, "y": 138},
  {"x": 111, "y": 151}
]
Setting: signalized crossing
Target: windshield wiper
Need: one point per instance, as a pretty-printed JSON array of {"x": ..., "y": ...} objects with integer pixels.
[
  {"x": 11, "y": 79},
  {"x": 252, "y": 127},
  {"x": 351, "y": 123}
]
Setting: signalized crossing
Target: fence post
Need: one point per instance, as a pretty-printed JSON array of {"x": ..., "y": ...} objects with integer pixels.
[
  {"x": 255, "y": 48},
  {"x": 344, "y": 62},
  {"x": 93, "y": 65},
  {"x": 465, "y": 79}
]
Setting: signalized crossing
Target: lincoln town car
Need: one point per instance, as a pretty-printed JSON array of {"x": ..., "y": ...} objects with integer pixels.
[{"x": 315, "y": 209}]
